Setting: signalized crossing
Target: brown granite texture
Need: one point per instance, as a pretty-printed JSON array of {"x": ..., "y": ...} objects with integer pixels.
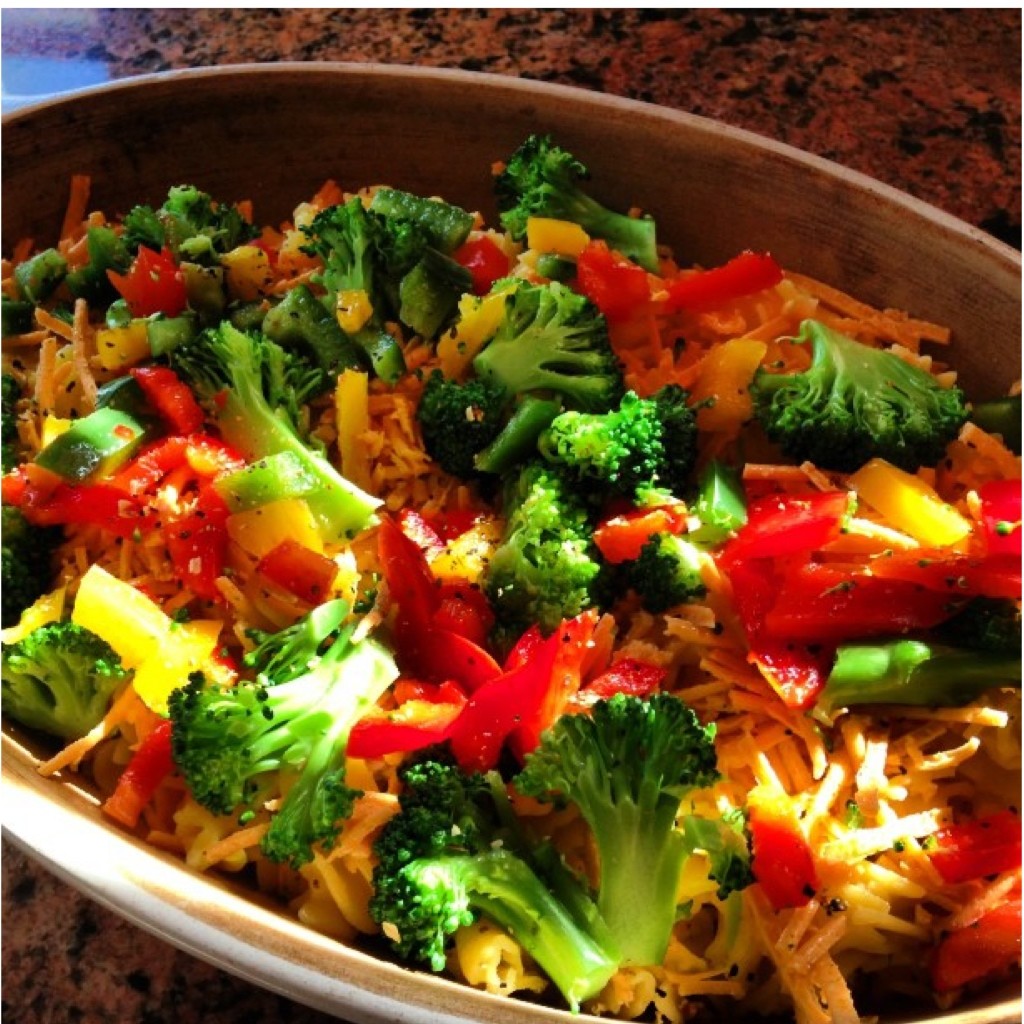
[{"x": 926, "y": 100}]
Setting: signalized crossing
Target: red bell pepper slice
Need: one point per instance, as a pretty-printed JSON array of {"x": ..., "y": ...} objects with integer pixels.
[
  {"x": 820, "y": 604},
  {"x": 154, "y": 284},
  {"x": 782, "y": 861},
  {"x": 171, "y": 397},
  {"x": 198, "y": 542},
  {"x": 413, "y": 725},
  {"x": 464, "y": 609},
  {"x": 1000, "y": 512},
  {"x": 306, "y": 574},
  {"x": 780, "y": 525},
  {"x": 627, "y": 675},
  {"x": 616, "y": 286},
  {"x": 439, "y": 654},
  {"x": 149, "y": 766},
  {"x": 453, "y": 522},
  {"x": 485, "y": 262},
  {"x": 411, "y": 585},
  {"x": 984, "y": 950},
  {"x": 977, "y": 848},
  {"x": 746, "y": 274},
  {"x": 621, "y": 537},
  {"x": 206, "y": 456},
  {"x": 420, "y": 531}
]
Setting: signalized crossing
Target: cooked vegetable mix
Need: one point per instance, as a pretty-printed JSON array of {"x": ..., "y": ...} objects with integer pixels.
[{"x": 520, "y": 601}]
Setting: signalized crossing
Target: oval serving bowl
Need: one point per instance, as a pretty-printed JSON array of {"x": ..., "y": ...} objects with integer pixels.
[{"x": 273, "y": 134}]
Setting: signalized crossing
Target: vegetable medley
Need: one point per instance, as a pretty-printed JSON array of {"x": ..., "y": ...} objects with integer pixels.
[{"x": 521, "y": 602}]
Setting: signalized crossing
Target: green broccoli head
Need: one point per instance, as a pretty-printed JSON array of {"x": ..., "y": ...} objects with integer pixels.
[
  {"x": 26, "y": 562},
  {"x": 459, "y": 420},
  {"x": 543, "y": 180},
  {"x": 667, "y": 572},
  {"x": 555, "y": 341},
  {"x": 855, "y": 403},
  {"x": 191, "y": 224},
  {"x": 645, "y": 442},
  {"x": 545, "y": 568},
  {"x": 627, "y": 766},
  {"x": 61, "y": 679},
  {"x": 226, "y": 740},
  {"x": 450, "y": 855}
]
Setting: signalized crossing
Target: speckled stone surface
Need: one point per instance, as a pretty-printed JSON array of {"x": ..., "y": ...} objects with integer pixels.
[{"x": 928, "y": 101}]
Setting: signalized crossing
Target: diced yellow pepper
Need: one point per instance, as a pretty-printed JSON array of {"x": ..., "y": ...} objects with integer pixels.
[
  {"x": 725, "y": 376},
  {"x": 186, "y": 648},
  {"x": 53, "y": 427},
  {"x": 561, "y": 237},
  {"x": 247, "y": 272},
  {"x": 466, "y": 556},
  {"x": 352, "y": 419},
  {"x": 352, "y": 309},
  {"x": 260, "y": 530},
  {"x": 46, "y": 609},
  {"x": 130, "y": 622},
  {"x": 909, "y": 504},
  {"x": 479, "y": 318},
  {"x": 118, "y": 347}
]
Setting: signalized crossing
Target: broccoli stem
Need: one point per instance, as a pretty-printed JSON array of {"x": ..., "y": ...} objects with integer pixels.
[
  {"x": 1001, "y": 416},
  {"x": 503, "y": 888},
  {"x": 517, "y": 440},
  {"x": 916, "y": 673}
]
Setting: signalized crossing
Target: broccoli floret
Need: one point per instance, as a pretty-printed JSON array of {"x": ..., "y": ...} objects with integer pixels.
[
  {"x": 191, "y": 224},
  {"x": 646, "y": 442},
  {"x": 667, "y": 572},
  {"x": 543, "y": 180},
  {"x": 453, "y": 853},
  {"x": 915, "y": 672},
  {"x": 855, "y": 403},
  {"x": 545, "y": 568},
  {"x": 627, "y": 767},
  {"x": 225, "y": 739},
  {"x": 726, "y": 842},
  {"x": 552, "y": 340},
  {"x": 10, "y": 394},
  {"x": 255, "y": 391},
  {"x": 985, "y": 624},
  {"x": 459, "y": 420},
  {"x": 26, "y": 558},
  {"x": 61, "y": 679}
]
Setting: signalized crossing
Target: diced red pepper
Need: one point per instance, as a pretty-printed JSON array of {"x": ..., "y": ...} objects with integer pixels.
[
  {"x": 616, "y": 286},
  {"x": 171, "y": 397},
  {"x": 153, "y": 284},
  {"x": 782, "y": 861},
  {"x": 978, "y": 848},
  {"x": 147, "y": 769},
  {"x": 413, "y": 725},
  {"x": 1000, "y": 511},
  {"x": 621, "y": 537},
  {"x": 100, "y": 505},
  {"x": 629, "y": 676},
  {"x": 305, "y": 573},
  {"x": 982, "y": 951},
  {"x": 746, "y": 274},
  {"x": 198, "y": 542},
  {"x": 485, "y": 262},
  {"x": 453, "y": 523},
  {"x": 783, "y": 524}
]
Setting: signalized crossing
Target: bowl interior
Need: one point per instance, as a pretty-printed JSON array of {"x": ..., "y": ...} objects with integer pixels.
[{"x": 273, "y": 134}]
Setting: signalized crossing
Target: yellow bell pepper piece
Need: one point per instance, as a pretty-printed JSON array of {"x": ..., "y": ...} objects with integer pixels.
[
  {"x": 561, "y": 237},
  {"x": 46, "y": 609},
  {"x": 130, "y": 622},
  {"x": 352, "y": 418},
  {"x": 186, "y": 648},
  {"x": 725, "y": 375},
  {"x": 352, "y": 309},
  {"x": 260, "y": 530},
  {"x": 118, "y": 347},
  {"x": 909, "y": 504},
  {"x": 53, "y": 427},
  {"x": 247, "y": 272},
  {"x": 466, "y": 557},
  {"x": 479, "y": 318}
]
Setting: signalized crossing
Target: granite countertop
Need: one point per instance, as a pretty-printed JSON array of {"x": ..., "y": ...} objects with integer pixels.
[{"x": 928, "y": 101}]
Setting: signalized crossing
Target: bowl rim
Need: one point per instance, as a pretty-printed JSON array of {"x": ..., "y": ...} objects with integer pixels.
[{"x": 158, "y": 892}]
